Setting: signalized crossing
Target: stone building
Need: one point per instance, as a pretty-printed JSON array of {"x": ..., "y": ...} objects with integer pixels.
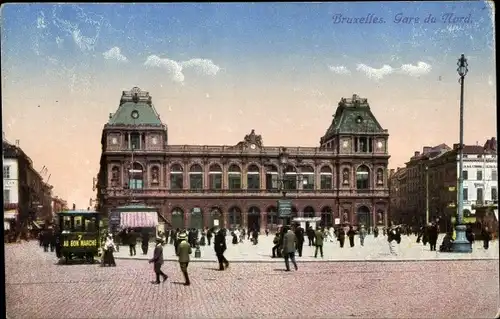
[{"x": 344, "y": 179}]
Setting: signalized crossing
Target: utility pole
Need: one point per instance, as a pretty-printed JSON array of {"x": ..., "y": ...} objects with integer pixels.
[{"x": 427, "y": 195}]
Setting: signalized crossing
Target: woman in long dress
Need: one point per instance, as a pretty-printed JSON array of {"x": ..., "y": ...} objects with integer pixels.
[{"x": 109, "y": 248}]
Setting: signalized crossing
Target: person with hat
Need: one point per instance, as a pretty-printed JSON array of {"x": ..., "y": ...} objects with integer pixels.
[
  {"x": 109, "y": 248},
  {"x": 183, "y": 251},
  {"x": 158, "y": 261}
]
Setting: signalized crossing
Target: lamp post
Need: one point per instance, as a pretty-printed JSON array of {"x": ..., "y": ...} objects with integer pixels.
[
  {"x": 134, "y": 115},
  {"x": 284, "y": 206},
  {"x": 427, "y": 195},
  {"x": 461, "y": 244}
]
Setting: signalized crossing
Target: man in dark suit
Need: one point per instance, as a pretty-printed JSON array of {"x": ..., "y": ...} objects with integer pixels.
[
  {"x": 220, "y": 247},
  {"x": 289, "y": 242},
  {"x": 299, "y": 233},
  {"x": 158, "y": 261}
]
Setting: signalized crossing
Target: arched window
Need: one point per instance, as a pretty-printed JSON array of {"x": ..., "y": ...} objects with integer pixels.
[
  {"x": 346, "y": 177},
  {"x": 271, "y": 177},
  {"x": 363, "y": 177},
  {"x": 176, "y": 177},
  {"x": 155, "y": 176},
  {"x": 234, "y": 217},
  {"x": 234, "y": 177},
  {"x": 215, "y": 177},
  {"x": 115, "y": 176},
  {"x": 195, "y": 177},
  {"x": 253, "y": 177},
  {"x": 380, "y": 176},
  {"x": 307, "y": 177},
  {"x": 326, "y": 177},
  {"x": 290, "y": 178},
  {"x": 308, "y": 212},
  {"x": 136, "y": 177}
]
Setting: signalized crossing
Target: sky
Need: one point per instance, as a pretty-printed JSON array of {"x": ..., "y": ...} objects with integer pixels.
[{"x": 216, "y": 71}]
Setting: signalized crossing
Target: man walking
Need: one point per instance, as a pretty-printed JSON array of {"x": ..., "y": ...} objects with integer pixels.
[
  {"x": 220, "y": 247},
  {"x": 183, "y": 252},
  {"x": 158, "y": 261},
  {"x": 299, "y": 233},
  {"x": 132, "y": 242},
  {"x": 362, "y": 235},
  {"x": 289, "y": 242},
  {"x": 319, "y": 237}
]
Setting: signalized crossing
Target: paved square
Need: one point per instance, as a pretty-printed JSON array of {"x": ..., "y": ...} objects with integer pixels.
[{"x": 36, "y": 287}]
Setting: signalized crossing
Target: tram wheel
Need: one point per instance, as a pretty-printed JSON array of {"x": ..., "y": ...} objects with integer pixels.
[{"x": 66, "y": 259}]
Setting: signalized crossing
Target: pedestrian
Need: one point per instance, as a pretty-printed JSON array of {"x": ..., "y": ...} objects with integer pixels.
[
  {"x": 183, "y": 252},
  {"x": 209, "y": 236},
  {"x": 486, "y": 238},
  {"x": 145, "y": 241},
  {"x": 350, "y": 235},
  {"x": 319, "y": 236},
  {"x": 267, "y": 232},
  {"x": 45, "y": 240},
  {"x": 310, "y": 235},
  {"x": 109, "y": 248},
  {"x": 391, "y": 238},
  {"x": 469, "y": 234},
  {"x": 183, "y": 233},
  {"x": 299, "y": 234},
  {"x": 220, "y": 247},
  {"x": 52, "y": 243},
  {"x": 375, "y": 231},
  {"x": 433, "y": 236},
  {"x": 341, "y": 237},
  {"x": 289, "y": 243},
  {"x": 362, "y": 235},
  {"x": 276, "y": 242},
  {"x": 132, "y": 242},
  {"x": 157, "y": 260}
]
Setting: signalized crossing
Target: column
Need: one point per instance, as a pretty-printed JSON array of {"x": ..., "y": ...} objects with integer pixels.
[
  {"x": 225, "y": 180},
  {"x": 140, "y": 141},
  {"x": 263, "y": 220},
  {"x": 206, "y": 169},
  {"x": 129, "y": 146},
  {"x": 262, "y": 177}
]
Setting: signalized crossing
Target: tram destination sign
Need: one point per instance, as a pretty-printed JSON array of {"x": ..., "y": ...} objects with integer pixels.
[{"x": 284, "y": 208}]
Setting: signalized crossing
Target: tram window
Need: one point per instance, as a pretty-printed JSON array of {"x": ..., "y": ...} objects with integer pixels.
[
  {"x": 66, "y": 225},
  {"x": 78, "y": 223},
  {"x": 90, "y": 224}
]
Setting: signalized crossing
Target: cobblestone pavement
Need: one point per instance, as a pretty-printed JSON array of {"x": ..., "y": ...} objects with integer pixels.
[
  {"x": 374, "y": 249},
  {"x": 36, "y": 287}
]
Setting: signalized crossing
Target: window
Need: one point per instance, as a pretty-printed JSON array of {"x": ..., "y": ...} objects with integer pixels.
[
  {"x": 479, "y": 196},
  {"x": 6, "y": 195},
  {"x": 494, "y": 194},
  {"x": 479, "y": 175},
  {"x": 494, "y": 175},
  {"x": 363, "y": 177},
  {"x": 195, "y": 177},
  {"x": 135, "y": 141},
  {"x": 362, "y": 145},
  {"x": 6, "y": 171},
  {"x": 215, "y": 177},
  {"x": 465, "y": 175},
  {"x": 136, "y": 177},
  {"x": 253, "y": 178},
  {"x": 466, "y": 194},
  {"x": 271, "y": 178},
  {"x": 234, "y": 177},
  {"x": 326, "y": 177},
  {"x": 307, "y": 178},
  {"x": 176, "y": 177},
  {"x": 290, "y": 178}
]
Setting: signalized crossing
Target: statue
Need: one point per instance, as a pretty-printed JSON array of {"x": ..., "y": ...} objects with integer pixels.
[
  {"x": 115, "y": 175},
  {"x": 380, "y": 178},
  {"x": 346, "y": 176},
  {"x": 252, "y": 138},
  {"x": 346, "y": 215},
  {"x": 154, "y": 175}
]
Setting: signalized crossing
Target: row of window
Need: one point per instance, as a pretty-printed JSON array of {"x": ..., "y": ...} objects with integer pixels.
[
  {"x": 480, "y": 194},
  {"x": 6, "y": 171},
  {"x": 479, "y": 175},
  {"x": 291, "y": 180}
]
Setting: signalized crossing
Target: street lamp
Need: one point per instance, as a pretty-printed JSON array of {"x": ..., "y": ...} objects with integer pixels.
[
  {"x": 134, "y": 115},
  {"x": 426, "y": 195},
  {"x": 284, "y": 205},
  {"x": 461, "y": 244}
]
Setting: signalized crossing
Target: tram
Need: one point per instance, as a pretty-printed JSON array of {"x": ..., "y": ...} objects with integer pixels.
[{"x": 79, "y": 235}]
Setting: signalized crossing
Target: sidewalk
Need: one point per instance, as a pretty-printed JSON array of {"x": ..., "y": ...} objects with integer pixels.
[{"x": 375, "y": 249}]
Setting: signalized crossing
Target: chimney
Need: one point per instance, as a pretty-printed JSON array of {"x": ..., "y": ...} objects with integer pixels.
[
  {"x": 110, "y": 115},
  {"x": 427, "y": 149},
  {"x": 417, "y": 153},
  {"x": 17, "y": 143},
  {"x": 456, "y": 146}
]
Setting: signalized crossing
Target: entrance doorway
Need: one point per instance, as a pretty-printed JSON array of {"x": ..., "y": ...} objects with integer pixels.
[
  {"x": 216, "y": 218},
  {"x": 253, "y": 218},
  {"x": 363, "y": 217},
  {"x": 177, "y": 218},
  {"x": 196, "y": 220}
]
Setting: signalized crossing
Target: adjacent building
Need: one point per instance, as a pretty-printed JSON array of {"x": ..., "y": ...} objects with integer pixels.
[
  {"x": 344, "y": 179},
  {"x": 27, "y": 197},
  {"x": 426, "y": 189}
]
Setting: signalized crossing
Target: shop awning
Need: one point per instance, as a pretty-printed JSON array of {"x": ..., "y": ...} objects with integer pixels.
[
  {"x": 138, "y": 219},
  {"x": 10, "y": 214}
]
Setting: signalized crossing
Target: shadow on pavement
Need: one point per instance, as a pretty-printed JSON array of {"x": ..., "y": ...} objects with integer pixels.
[
  {"x": 62, "y": 262},
  {"x": 213, "y": 269},
  {"x": 177, "y": 283},
  {"x": 279, "y": 269}
]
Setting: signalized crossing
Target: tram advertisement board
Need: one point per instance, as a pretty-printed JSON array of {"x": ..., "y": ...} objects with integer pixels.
[{"x": 79, "y": 240}]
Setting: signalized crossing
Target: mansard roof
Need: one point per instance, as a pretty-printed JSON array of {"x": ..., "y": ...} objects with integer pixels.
[
  {"x": 139, "y": 101},
  {"x": 353, "y": 116}
]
